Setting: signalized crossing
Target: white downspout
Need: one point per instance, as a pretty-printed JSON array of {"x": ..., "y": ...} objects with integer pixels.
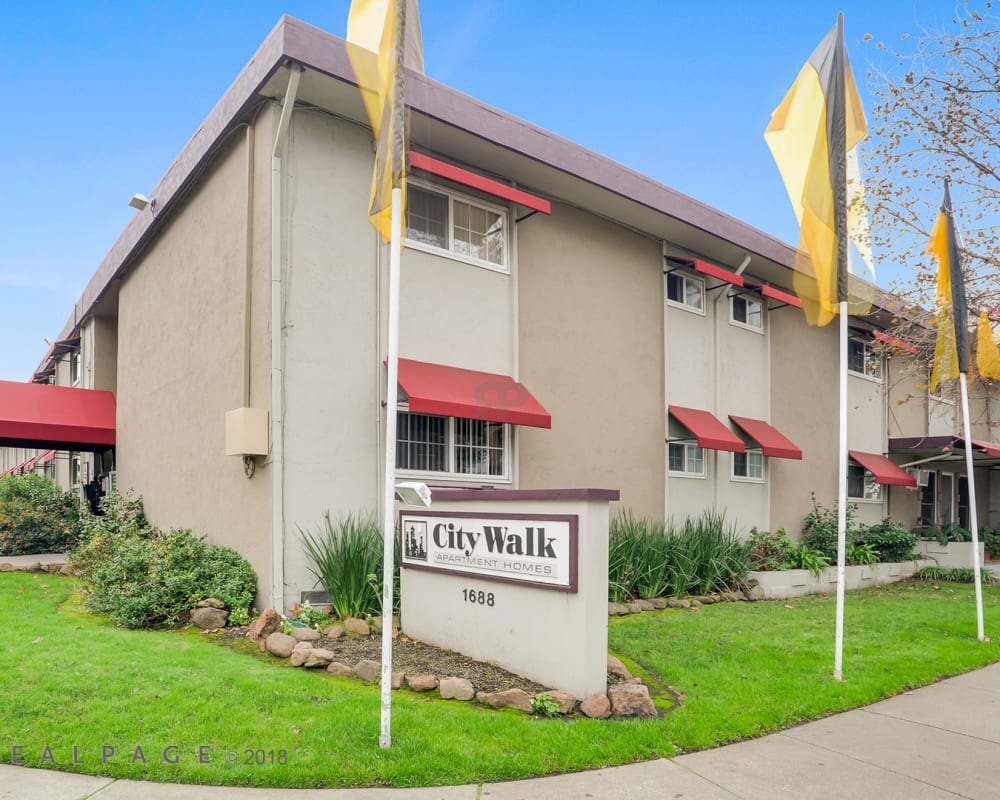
[
  {"x": 717, "y": 365},
  {"x": 278, "y": 350}
]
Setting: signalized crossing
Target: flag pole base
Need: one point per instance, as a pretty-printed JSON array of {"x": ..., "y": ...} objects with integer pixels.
[{"x": 385, "y": 742}]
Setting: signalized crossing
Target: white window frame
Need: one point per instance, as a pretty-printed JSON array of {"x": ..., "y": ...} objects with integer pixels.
[
  {"x": 75, "y": 367},
  {"x": 449, "y": 251},
  {"x": 868, "y": 347},
  {"x": 869, "y": 483},
  {"x": 686, "y": 279},
  {"x": 746, "y": 325},
  {"x": 686, "y": 473},
  {"x": 450, "y": 474},
  {"x": 748, "y": 477}
]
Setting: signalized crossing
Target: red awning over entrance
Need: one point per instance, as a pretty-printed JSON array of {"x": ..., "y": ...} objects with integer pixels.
[
  {"x": 466, "y": 393},
  {"x": 55, "y": 417},
  {"x": 708, "y": 431},
  {"x": 884, "y": 470},
  {"x": 772, "y": 441}
]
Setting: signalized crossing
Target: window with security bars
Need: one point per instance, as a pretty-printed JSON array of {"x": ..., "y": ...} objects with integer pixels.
[
  {"x": 451, "y": 445},
  {"x": 472, "y": 230}
]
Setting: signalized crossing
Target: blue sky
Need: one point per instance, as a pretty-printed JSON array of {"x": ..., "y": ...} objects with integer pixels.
[{"x": 102, "y": 96}]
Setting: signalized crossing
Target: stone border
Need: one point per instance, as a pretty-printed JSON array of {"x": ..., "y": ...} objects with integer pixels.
[{"x": 625, "y": 700}]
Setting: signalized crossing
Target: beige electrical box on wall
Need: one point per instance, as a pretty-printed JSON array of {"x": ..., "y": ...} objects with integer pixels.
[{"x": 246, "y": 432}]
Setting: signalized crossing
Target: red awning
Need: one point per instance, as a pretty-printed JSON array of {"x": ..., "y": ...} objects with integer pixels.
[
  {"x": 772, "y": 441},
  {"x": 487, "y": 185},
  {"x": 466, "y": 393},
  {"x": 55, "y": 417},
  {"x": 895, "y": 341},
  {"x": 708, "y": 431},
  {"x": 884, "y": 470},
  {"x": 776, "y": 294},
  {"x": 988, "y": 447},
  {"x": 717, "y": 272}
]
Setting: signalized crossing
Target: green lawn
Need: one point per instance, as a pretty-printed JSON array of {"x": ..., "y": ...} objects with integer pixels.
[{"x": 68, "y": 679}]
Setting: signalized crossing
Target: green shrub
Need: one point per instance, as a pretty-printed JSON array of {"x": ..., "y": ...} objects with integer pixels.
[
  {"x": 862, "y": 554},
  {"x": 346, "y": 558},
  {"x": 141, "y": 576},
  {"x": 819, "y": 529},
  {"x": 942, "y": 534},
  {"x": 890, "y": 539},
  {"x": 36, "y": 516},
  {"x": 769, "y": 551},
  {"x": 649, "y": 559},
  {"x": 803, "y": 557},
  {"x": 990, "y": 539}
]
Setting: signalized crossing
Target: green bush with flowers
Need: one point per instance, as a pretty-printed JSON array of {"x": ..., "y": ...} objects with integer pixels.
[{"x": 36, "y": 516}]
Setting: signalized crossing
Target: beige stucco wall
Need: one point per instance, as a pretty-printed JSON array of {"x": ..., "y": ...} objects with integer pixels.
[
  {"x": 591, "y": 350},
  {"x": 723, "y": 368},
  {"x": 180, "y": 330},
  {"x": 333, "y": 367}
]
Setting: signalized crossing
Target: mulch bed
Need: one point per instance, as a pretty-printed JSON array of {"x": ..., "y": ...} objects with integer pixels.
[{"x": 414, "y": 658}]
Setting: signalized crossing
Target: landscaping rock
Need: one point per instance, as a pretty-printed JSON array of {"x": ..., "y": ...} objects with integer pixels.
[
  {"x": 597, "y": 706},
  {"x": 34, "y": 566},
  {"x": 658, "y": 603},
  {"x": 630, "y": 700},
  {"x": 267, "y": 623},
  {"x": 300, "y": 653},
  {"x": 564, "y": 700},
  {"x": 368, "y": 671},
  {"x": 333, "y": 631},
  {"x": 318, "y": 657},
  {"x": 377, "y": 623},
  {"x": 209, "y": 618},
  {"x": 734, "y": 597},
  {"x": 336, "y": 668},
  {"x": 685, "y": 604},
  {"x": 456, "y": 689},
  {"x": 358, "y": 626},
  {"x": 509, "y": 698},
  {"x": 397, "y": 679},
  {"x": 673, "y": 602},
  {"x": 694, "y": 603},
  {"x": 66, "y": 569},
  {"x": 305, "y": 634},
  {"x": 635, "y": 608},
  {"x": 645, "y": 605},
  {"x": 280, "y": 644},
  {"x": 8, "y": 568},
  {"x": 617, "y": 609},
  {"x": 707, "y": 600},
  {"x": 53, "y": 569},
  {"x": 211, "y": 602},
  {"x": 422, "y": 683},
  {"x": 616, "y": 667}
]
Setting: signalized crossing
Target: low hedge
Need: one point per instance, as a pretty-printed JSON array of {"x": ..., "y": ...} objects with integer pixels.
[{"x": 36, "y": 516}]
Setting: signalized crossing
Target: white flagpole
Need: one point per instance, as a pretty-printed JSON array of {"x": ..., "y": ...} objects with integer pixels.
[
  {"x": 973, "y": 516},
  {"x": 838, "y": 657},
  {"x": 389, "y": 488}
]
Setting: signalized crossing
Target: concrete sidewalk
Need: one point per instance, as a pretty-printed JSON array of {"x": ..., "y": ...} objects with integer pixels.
[{"x": 942, "y": 741}]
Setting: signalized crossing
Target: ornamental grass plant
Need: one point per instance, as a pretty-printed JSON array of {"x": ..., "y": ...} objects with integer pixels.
[
  {"x": 346, "y": 557},
  {"x": 651, "y": 559}
]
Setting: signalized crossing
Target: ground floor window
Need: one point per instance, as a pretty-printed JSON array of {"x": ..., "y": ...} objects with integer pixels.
[
  {"x": 451, "y": 446},
  {"x": 686, "y": 459},
  {"x": 749, "y": 465},
  {"x": 861, "y": 484},
  {"x": 928, "y": 500}
]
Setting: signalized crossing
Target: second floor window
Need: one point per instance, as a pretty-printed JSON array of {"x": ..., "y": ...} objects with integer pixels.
[
  {"x": 747, "y": 312},
  {"x": 863, "y": 358},
  {"x": 686, "y": 291},
  {"x": 466, "y": 228}
]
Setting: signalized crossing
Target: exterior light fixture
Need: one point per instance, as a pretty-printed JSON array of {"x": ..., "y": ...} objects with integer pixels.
[{"x": 140, "y": 202}]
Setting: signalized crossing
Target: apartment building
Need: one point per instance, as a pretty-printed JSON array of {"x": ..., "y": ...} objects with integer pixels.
[{"x": 565, "y": 322}]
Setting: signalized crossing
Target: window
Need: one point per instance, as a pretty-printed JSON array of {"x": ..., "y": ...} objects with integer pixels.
[
  {"x": 75, "y": 471},
  {"x": 928, "y": 500},
  {"x": 685, "y": 291},
  {"x": 747, "y": 312},
  {"x": 451, "y": 446},
  {"x": 863, "y": 358},
  {"x": 861, "y": 484},
  {"x": 963, "y": 502},
  {"x": 469, "y": 229},
  {"x": 749, "y": 465},
  {"x": 75, "y": 362},
  {"x": 686, "y": 459}
]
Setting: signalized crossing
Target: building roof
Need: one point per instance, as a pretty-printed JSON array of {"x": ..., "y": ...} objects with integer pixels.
[{"x": 464, "y": 129}]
